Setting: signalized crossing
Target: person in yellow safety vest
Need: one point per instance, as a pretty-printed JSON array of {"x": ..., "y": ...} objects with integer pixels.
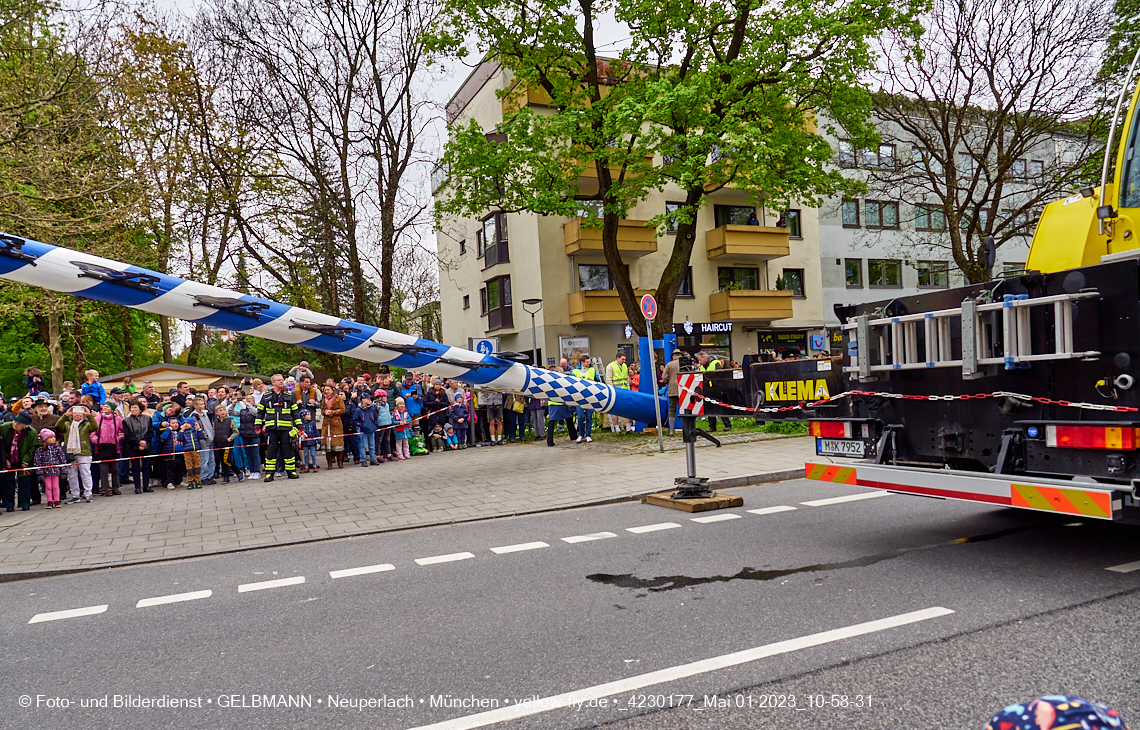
[
  {"x": 585, "y": 371},
  {"x": 617, "y": 375},
  {"x": 559, "y": 411},
  {"x": 708, "y": 364}
]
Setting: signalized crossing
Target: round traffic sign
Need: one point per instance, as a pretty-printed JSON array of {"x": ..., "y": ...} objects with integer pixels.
[{"x": 649, "y": 306}]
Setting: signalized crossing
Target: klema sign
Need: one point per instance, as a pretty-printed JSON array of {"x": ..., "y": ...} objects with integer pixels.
[{"x": 796, "y": 390}]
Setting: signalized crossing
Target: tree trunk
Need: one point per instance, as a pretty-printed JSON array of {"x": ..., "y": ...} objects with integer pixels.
[
  {"x": 55, "y": 350},
  {"x": 77, "y": 335},
  {"x": 164, "y": 328},
  {"x": 197, "y": 335},
  {"x": 675, "y": 269},
  {"x": 128, "y": 341},
  {"x": 387, "y": 254}
]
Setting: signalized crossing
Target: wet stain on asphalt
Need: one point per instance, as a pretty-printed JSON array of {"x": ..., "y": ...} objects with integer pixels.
[{"x": 673, "y": 582}]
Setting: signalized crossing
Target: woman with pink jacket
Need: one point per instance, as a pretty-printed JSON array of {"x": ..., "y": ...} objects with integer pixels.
[{"x": 106, "y": 437}]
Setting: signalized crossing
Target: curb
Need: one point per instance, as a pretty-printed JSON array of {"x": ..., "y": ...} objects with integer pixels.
[{"x": 724, "y": 483}]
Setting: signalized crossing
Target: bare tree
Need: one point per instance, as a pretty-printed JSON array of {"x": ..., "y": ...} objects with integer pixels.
[
  {"x": 334, "y": 91},
  {"x": 997, "y": 114}
]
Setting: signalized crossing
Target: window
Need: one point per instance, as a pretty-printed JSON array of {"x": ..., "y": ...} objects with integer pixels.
[
  {"x": 738, "y": 277},
  {"x": 846, "y": 153},
  {"x": 495, "y": 298},
  {"x": 591, "y": 208},
  {"x": 929, "y": 218},
  {"x": 1037, "y": 169},
  {"x": 425, "y": 327},
  {"x": 1017, "y": 170},
  {"x": 882, "y": 214},
  {"x": 718, "y": 153},
  {"x": 853, "y": 273},
  {"x": 671, "y": 219},
  {"x": 850, "y": 213},
  {"x": 1013, "y": 268},
  {"x": 925, "y": 158},
  {"x": 467, "y": 301},
  {"x": 884, "y": 156},
  {"x": 480, "y": 246},
  {"x": 462, "y": 247},
  {"x": 686, "y": 288},
  {"x": 794, "y": 281},
  {"x": 933, "y": 274},
  {"x": 793, "y": 220},
  {"x": 735, "y": 215},
  {"x": 494, "y": 240},
  {"x": 884, "y": 273},
  {"x": 1019, "y": 222},
  {"x": 965, "y": 163},
  {"x": 595, "y": 277}
]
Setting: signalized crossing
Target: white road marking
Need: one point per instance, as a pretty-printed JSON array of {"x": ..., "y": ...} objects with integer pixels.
[
  {"x": 848, "y": 498},
  {"x": 69, "y": 613},
  {"x": 174, "y": 598},
  {"x": 772, "y": 510},
  {"x": 443, "y": 558},
  {"x": 361, "y": 571},
  {"x": 632, "y": 684},
  {"x": 715, "y": 518},
  {"x": 1125, "y": 568},
  {"x": 652, "y": 528},
  {"x": 518, "y": 548},
  {"x": 247, "y": 587},
  {"x": 588, "y": 538}
]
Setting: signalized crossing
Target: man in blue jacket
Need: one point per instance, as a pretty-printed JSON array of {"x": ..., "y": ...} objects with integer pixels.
[{"x": 413, "y": 396}]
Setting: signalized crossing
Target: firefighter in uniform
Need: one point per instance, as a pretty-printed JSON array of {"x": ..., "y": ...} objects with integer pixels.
[
  {"x": 617, "y": 375},
  {"x": 278, "y": 418},
  {"x": 708, "y": 364}
]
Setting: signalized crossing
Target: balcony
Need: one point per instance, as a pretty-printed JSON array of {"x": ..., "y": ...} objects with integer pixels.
[
  {"x": 597, "y": 306},
  {"x": 754, "y": 243},
  {"x": 736, "y": 304},
  {"x": 635, "y": 238}
]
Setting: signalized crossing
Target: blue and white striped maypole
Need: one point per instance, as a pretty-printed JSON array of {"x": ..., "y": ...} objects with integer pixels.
[{"x": 93, "y": 277}]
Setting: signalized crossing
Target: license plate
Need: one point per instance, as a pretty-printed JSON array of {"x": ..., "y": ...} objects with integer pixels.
[{"x": 841, "y": 447}]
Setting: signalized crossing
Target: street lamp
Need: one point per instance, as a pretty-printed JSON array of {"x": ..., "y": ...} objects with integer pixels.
[{"x": 537, "y": 304}]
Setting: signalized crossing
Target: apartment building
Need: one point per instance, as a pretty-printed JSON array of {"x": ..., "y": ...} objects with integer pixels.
[
  {"x": 494, "y": 269},
  {"x": 877, "y": 246}
]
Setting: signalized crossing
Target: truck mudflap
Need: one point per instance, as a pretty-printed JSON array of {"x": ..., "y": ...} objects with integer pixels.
[{"x": 1083, "y": 499}]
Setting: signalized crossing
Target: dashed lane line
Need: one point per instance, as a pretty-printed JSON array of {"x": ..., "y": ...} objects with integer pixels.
[
  {"x": 280, "y": 582},
  {"x": 173, "y": 598},
  {"x": 365, "y": 570},
  {"x": 848, "y": 498},
  {"x": 771, "y": 510},
  {"x": 715, "y": 518},
  {"x": 641, "y": 681},
  {"x": 652, "y": 528},
  {"x": 519, "y": 548},
  {"x": 588, "y": 538},
  {"x": 1126, "y": 567},
  {"x": 69, "y": 613},
  {"x": 444, "y": 558}
]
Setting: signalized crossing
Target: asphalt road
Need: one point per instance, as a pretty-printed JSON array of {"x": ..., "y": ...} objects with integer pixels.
[{"x": 922, "y": 613}]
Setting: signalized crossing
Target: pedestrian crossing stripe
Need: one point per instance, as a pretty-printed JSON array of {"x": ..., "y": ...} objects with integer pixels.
[
  {"x": 831, "y": 473},
  {"x": 1056, "y": 499}
]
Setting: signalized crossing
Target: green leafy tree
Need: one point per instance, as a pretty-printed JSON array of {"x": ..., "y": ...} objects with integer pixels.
[{"x": 708, "y": 94}]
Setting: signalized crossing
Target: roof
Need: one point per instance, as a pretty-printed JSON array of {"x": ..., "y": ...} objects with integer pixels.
[{"x": 165, "y": 375}]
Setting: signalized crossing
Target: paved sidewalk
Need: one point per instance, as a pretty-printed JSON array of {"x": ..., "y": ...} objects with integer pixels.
[{"x": 475, "y": 483}]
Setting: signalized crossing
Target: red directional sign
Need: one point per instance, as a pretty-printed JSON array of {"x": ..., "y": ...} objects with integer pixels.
[{"x": 649, "y": 306}]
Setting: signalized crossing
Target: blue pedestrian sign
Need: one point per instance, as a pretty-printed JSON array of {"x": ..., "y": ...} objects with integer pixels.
[
  {"x": 649, "y": 306},
  {"x": 484, "y": 347}
]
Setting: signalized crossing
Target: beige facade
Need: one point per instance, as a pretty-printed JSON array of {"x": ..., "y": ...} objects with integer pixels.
[{"x": 560, "y": 261}]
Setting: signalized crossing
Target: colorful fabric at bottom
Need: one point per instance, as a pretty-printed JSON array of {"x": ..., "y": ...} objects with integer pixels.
[{"x": 1057, "y": 712}]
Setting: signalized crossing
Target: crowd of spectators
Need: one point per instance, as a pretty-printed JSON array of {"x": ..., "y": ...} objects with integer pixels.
[{"x": 86, "y": 441}]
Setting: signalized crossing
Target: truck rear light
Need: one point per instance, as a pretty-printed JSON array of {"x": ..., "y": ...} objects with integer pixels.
[
  {"x": 831, "y": 429},
  {"x": 1117, "y": 438}
]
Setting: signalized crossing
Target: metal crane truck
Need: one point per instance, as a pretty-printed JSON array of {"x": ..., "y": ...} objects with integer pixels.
[{"x": 1022, "y": 391}]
